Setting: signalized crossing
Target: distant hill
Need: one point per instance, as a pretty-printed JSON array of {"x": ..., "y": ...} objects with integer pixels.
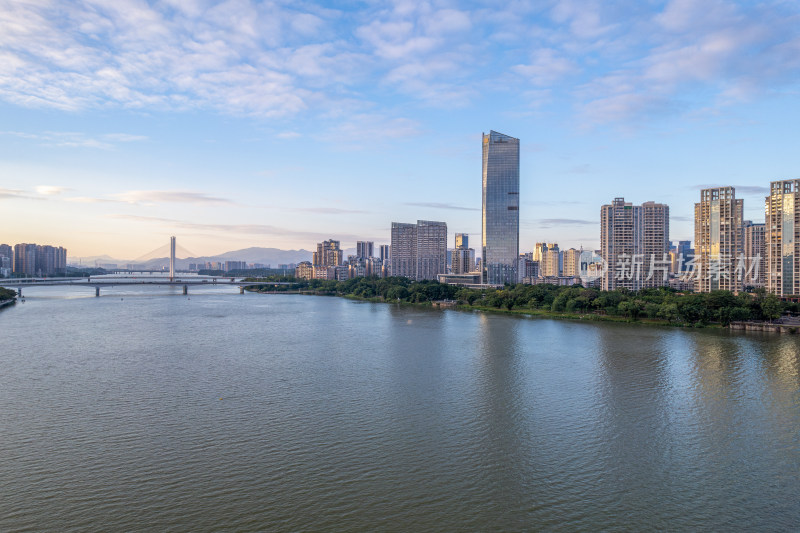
[{"x": 265, "y": 256}]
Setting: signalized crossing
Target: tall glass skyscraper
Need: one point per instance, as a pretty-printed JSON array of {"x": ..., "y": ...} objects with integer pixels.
[{"x": 500, "y": 224}]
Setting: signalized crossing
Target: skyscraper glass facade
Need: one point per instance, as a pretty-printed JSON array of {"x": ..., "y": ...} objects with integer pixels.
[{"x": 500, "y": 220}]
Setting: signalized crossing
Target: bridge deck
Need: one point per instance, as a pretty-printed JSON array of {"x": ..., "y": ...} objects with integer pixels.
[{"x": 128, "y": 281}]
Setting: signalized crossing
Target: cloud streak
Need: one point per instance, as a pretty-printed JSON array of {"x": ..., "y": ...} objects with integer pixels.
[
  {"x": 328, "y": 210},
  {"x": 50, "y": 190},
  {"x": 16, "y": 194},
  {"x": 555, "y": 222},
  {"x": 227, "y": 229},
  {"x": 73, "y": 139},
  {"x": 162, "y": 197},
  {"x": 441, "y": 205},
  {"x": 742, "y": 189}
]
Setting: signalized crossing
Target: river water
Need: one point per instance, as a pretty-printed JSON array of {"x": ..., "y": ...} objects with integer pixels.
[{"x": 147, "y": 410}]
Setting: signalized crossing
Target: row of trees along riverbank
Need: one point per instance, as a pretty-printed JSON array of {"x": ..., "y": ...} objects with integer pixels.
[
  {"x": 657, "y": 305},
  {"x": 7, "y": 294}
]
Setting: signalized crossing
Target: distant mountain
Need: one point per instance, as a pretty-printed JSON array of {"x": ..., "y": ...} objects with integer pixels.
[
  {"x": 265, "y": 256},
  {"x": 92, "y": 259}
]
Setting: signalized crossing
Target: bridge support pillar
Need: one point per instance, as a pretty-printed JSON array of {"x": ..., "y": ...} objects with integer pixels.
[
  {"x": 241, "y": 290},
  {"x": 96, "y": 291},
  {"x": 185, "y": 289},
  {"x": 19, "y": 292}
]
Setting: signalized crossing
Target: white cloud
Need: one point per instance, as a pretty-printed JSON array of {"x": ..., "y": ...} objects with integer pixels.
[
  {"x": 158, "y": 197},
  {"x": 90, "y": 200},
  {"x": 585, "y": 18},
  {"x": 277, "y": 60},
  {"x": 692, "y": 54},
  {"x": 547, "y": 66},
  {"x": 75, "y": 139},
  {"x": 124, "y": 137},
  {"x": 230, "y": 57},
  {"x": 358, "y": 130},
  {"x": 50, "y": 190},
  {"x": 11, "y": 193}
]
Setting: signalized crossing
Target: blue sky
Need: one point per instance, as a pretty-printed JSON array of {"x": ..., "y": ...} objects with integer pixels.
[{"x": 280, "y": 124}]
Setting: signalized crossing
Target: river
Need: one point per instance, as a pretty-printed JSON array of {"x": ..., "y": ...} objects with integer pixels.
[{"x": 147, "y": 410}]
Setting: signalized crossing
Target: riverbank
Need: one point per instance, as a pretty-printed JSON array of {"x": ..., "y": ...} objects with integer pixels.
[
  {"x": 591, "y": 317},
  {"x": 658, "y": 306},
  {"x": 520, "y": 312},
  {"x": 4, "y": 303}
]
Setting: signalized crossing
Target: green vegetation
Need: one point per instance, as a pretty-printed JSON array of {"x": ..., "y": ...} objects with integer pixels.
[
  {"x": 663, "y": 305},
  {"x": 7, "y": 294}
]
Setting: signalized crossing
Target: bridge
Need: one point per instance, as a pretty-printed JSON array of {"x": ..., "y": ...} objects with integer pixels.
[
  {"x": 124, "y": 281},
  {"x": 114, "y": 280}
]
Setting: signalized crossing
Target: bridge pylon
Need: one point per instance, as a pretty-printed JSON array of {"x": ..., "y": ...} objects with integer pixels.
[{"x": 172, "y": 258}]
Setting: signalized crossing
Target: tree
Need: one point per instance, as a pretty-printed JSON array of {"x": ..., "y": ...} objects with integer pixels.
[
  {"x": 628, "y": 309},
  {"x": 669, "y": 312},
  {"x": 397, "y": 293},
  {"x": 771, "y": 307},
  {"x": 739, "y": 314},
  {"x": 7, "y": 294}
]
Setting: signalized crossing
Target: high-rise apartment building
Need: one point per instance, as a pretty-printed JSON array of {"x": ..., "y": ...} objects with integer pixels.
[
  {"x": 463, "y": 257},
  {"x": 328, "y": 254},
  {"x": 754, "y": 254},
  {"x": 463, "y": 261},
  {"x": 717, "y": 240},
  {"x": 385, "y": 253},
  {"x": 365, "y": 249},
  {"x": 431, "y": 249},
  {"x": 634, "y": 243},
  {"x": 782, "y": 238},
  {"x": 539, "y": 251},
  {"x": 547, "y": 255},
  {"x": 50, "y": 260},
  {"x": 684, "y": 248},
  {"x": 572, "y": 262},
  {"x": 419, "y": 251},
  {"x": 550, "y": 263},
  {"x": 404, "y": 250},
  {"x": 234, "y": 265},
  {"x": 620, "y": 235},
  {"x": 527, "y": 268},
  {"x": 500, "y": 208},
  {"x": 655, "y": 244},
  {"x": 25, "y": 259},
  {"x": 6, "y": 260},
  {"x": 681, "y": 255}
]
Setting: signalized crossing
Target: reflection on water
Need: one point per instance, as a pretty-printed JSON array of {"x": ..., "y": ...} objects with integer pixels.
[{"x": 153, "y": 410}]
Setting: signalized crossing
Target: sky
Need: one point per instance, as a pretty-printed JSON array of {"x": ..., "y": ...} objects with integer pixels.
[{"x": 281, "y": 124}]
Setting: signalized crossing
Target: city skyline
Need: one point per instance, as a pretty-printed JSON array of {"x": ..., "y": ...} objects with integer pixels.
[{"x": 239, "y": 125}]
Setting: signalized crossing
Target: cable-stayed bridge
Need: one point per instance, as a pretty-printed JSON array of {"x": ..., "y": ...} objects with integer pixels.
[
  {"x": 118, "y": 280},
  {"x": 131, "y": 281},
  {"x": 165, "y": 251}
]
